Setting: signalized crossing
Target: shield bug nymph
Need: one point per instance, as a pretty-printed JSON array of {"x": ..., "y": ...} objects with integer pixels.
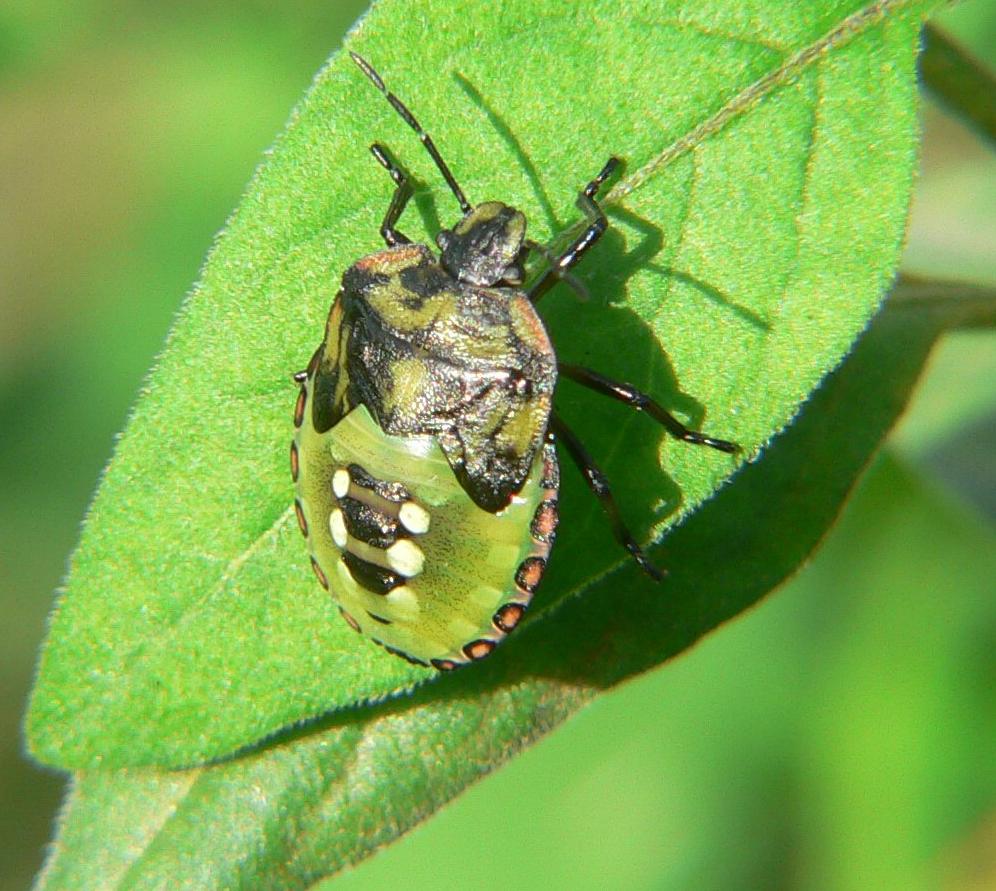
[{"x": 424, "y": 455}]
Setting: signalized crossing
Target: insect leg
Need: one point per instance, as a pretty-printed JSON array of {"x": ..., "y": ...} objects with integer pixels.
[
  {"x": 597, "y": 224},
  {"x": 402, "y": 195},
  {"x": 642, "y": 402},
  {"x": 568, "y": 278},
  {"x": 599, "y": 486}
]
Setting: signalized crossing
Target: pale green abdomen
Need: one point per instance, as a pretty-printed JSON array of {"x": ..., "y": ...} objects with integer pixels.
[{"x": 451, "y": 578}]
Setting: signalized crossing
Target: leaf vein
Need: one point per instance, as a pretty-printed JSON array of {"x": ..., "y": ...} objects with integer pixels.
[
  {"x": 227, "y": 575},
  {"x": 852, "y": 26},
  {"x": 774, "y": 313},
  {"x": 712, "y": 33}
]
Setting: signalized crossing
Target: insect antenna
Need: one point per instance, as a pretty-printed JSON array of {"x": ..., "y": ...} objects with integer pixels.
[{"x": 410, "y": 119}]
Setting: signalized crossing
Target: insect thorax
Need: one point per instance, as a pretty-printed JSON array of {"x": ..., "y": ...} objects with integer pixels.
[{"x": 427, "y": 354}]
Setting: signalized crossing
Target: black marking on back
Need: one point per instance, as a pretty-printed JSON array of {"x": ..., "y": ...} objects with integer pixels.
[
  {"x": 359, "y": 278},
  {"x": 325, "y": 368},
  {"x": 392, "y": 491},
  {"x": 408, "y": 658},
  {"x": 323, "y": 413},
  {"x": 374, "y": 579},
  {"x": 422, "y": 282},
  {"x": 368, "y": 525}
]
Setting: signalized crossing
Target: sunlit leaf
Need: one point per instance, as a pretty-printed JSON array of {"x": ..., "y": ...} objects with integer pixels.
[{"x": 770, "y": 149}]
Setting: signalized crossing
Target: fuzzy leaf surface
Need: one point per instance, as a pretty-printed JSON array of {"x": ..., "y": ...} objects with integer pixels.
[{"x": 770, "y": 149}]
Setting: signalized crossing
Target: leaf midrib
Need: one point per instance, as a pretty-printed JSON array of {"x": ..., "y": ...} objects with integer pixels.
[
  {"x": 852, "y": 26},
  {"x": 736, "y": 106}
]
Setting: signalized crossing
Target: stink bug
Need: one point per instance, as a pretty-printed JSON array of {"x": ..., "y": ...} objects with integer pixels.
[{"x": 424, "y": 455}]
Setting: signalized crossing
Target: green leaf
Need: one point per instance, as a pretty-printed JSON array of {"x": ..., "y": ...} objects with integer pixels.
[
  {"x": 771, "y": 149},
  {"x": 320, "y": 798}
]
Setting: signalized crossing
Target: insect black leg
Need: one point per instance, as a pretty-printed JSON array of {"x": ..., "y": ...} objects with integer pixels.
[
  {"x": 642, "y": 402},
  {"x": 402, "y": 195},
  {"x": 599, "y": 486},
  {"x": 597, "y": 224},
  {"x": 568, "y": 278}
]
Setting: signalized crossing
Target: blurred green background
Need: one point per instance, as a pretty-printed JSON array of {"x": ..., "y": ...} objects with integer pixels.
[{"x": 841, "y": 735}]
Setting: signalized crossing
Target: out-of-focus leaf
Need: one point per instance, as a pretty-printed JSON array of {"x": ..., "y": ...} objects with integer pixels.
[{"x": 960, "y": 82}]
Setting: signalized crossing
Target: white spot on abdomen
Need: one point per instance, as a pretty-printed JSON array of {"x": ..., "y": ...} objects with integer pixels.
[
  {"x": 337, "y": 526},
  {"x": 414, "y": 518},
  {"x": 340, "y": 482},
  {"x": 405, "y": 557}
]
